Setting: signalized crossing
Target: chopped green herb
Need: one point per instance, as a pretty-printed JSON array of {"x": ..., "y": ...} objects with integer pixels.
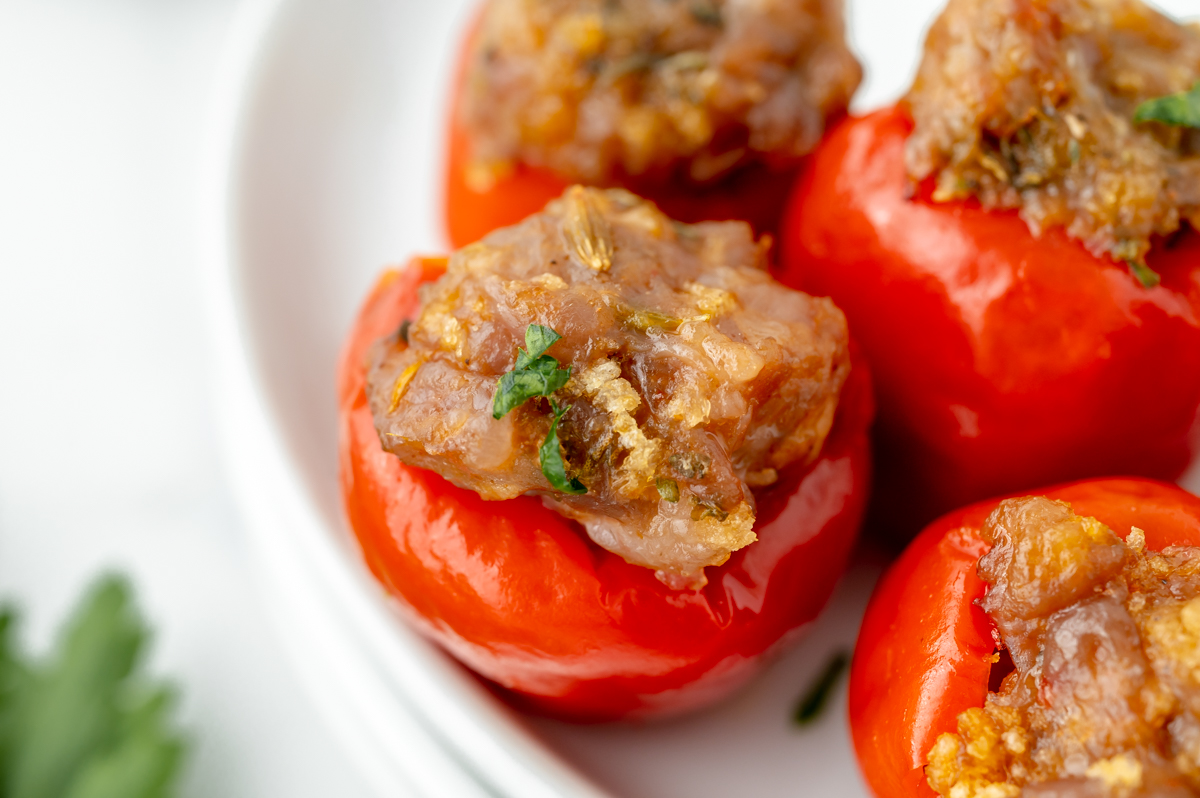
[
  {"x": 537, "y": 340},
  {"x": 814, "y": 700},
  {"x": 668, "y": 489},
  {"x": 1073, "y": 150},
  {"x": 1180, "y": 110},
  {"x": 551, "y": 460},
  {"x": 517, "y": 387},
  {"x": 535, "y": 374},
  {"x": 707, "y": 14},
  {"x": 1144, "y": 274},
  {"x": 87, "y": 723},
  {"x": 403, "y": 331}
]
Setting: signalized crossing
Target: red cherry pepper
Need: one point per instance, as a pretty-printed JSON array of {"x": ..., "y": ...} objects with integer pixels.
[
  {"x": 924, "y": 651},
  {"x": 522, "y": 596},
  {"x": 1001, "y": 361}
]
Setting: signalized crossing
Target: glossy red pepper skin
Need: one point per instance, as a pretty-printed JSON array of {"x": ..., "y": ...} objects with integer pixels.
[
  {"x": 756, "y": 193},
  {"x": 923, "y": 651},
  {"x": 523, "y": 597},
  {"x": 1001, "y": 361}
]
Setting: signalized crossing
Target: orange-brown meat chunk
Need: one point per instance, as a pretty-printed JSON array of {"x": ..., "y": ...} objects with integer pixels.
[{"x": 694, "y": 375}]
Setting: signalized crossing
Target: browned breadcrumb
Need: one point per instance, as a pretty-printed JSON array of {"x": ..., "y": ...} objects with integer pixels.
[
  {"x": 601, "y": 89},
  {"x": 1029, "y": 104},
  {"x": 1105, "y": 639},
  {"x": 694, "y": 375}
]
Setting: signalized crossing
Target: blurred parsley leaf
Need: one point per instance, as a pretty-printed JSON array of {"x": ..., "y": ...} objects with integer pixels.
[
  {"x": 86, "y": 723},
  {"x": 1180, "y": 110},
  {"x": 1144, "y": 274}
]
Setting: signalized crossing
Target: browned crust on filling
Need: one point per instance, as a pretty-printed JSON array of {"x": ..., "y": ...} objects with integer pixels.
[
  {"x": 1029, "y": 104},
  {"x": 601, "y": 89}
]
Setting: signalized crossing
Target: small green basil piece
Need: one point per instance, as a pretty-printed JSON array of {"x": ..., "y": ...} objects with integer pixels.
[
  {"x": 537, "y": 340},
  {"x": 1144, "y": 274},
  {"x": 1180, "y": 110},
  {"x": 668, "y": 489},
  {"x": 551, "y": 460},
  {"x": 516, "y": 387},
  {"x": 814, "y": 700},
  {"x": 535, "y": 374}
]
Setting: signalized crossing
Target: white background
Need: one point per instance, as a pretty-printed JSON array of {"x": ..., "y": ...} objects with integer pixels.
[{"x": 107, "y": 445}]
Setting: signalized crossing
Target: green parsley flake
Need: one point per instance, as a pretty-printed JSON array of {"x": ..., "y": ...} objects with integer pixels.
[
  {"x": 537, "y": 374},
  {"x": 1144, "y": 274},
  {"x": 668, "y": 489},
  {"x": 87, "y": 723},
  {"x": 1180, "y": 110},
  {"x": 814, "y": 701},
  {"x": 550, "y": 457}
]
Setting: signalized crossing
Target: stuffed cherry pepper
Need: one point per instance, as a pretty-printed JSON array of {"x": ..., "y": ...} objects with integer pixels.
[
  {"x": 604, "y": 458},
  {"x": 1080, "y": 609},
  {"x": 706, "y": 107},
  {"x": 1015, "y": 246}
]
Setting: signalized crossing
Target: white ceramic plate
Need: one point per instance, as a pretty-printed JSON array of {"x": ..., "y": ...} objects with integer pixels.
[{"x": 324, "y": 166}]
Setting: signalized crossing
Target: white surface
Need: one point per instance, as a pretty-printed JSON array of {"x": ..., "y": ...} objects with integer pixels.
[{"x": 107, "y": 451}]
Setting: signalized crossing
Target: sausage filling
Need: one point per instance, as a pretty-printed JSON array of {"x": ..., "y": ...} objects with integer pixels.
[
  {"x": 1034, "y": 105},
  {"x": 1104, "y": 635},
  {"x": 694, "y": 376},
  {"x": 599, "y": 89}
]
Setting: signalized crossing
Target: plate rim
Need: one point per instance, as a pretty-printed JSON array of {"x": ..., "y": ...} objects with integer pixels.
[{"x": 474, "y": 744}]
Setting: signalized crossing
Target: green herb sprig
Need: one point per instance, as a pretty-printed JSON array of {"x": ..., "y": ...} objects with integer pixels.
[
  {"x": 1144, "y": 274},
  {"x": 86, "y": 723},
  {"x": 538, "y": 374},
  {"x": 816, "y": 697},
  {"x": 1180, "y": 110},
  {"x": 550, "y": 457}
]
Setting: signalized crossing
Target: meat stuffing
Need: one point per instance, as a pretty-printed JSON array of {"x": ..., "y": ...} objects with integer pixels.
[
  {"x": 1031, "y": 104},
  {"x": 693, "y": 376},
  {"x": 601, "y": 89},
  {"x": 1104, "y": 635}
]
